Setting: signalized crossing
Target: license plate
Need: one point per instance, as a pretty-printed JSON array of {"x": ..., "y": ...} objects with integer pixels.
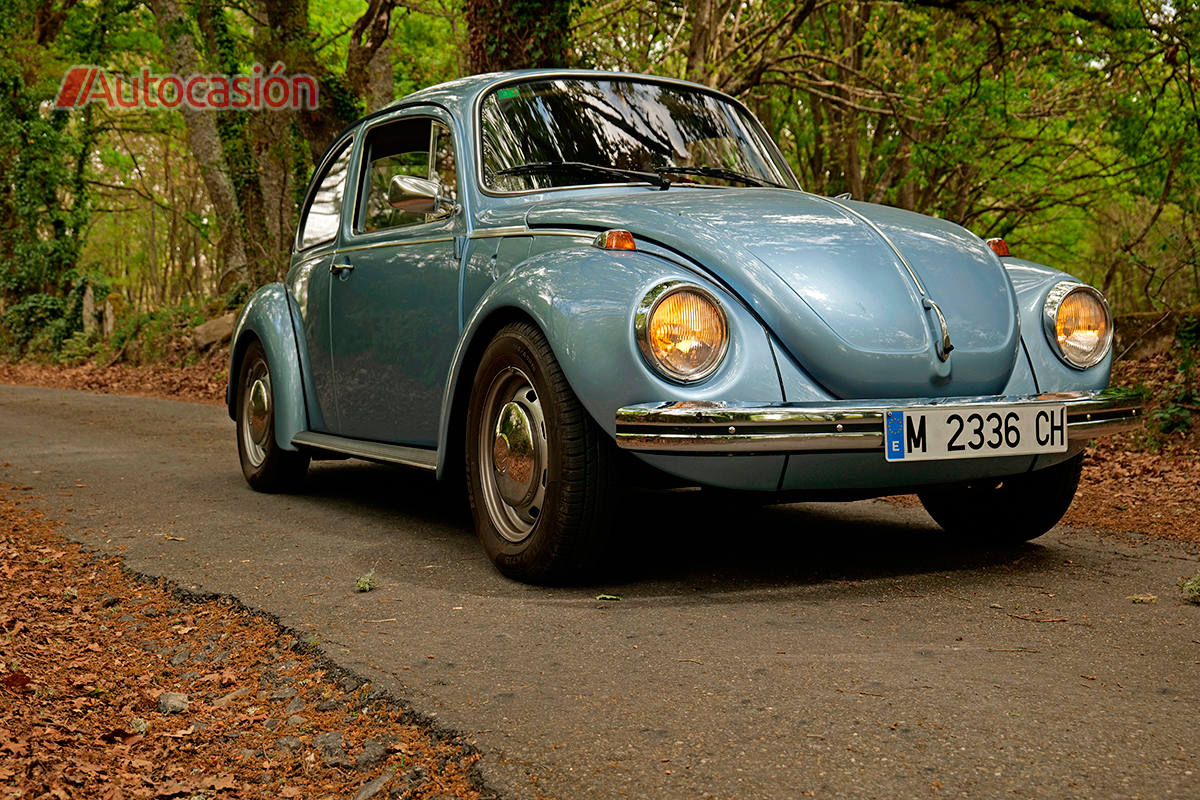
[{"x": 942, "y": 433}]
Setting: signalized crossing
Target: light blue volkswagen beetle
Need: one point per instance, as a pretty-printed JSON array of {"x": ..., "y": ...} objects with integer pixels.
[{"x": 529, "y": 278}]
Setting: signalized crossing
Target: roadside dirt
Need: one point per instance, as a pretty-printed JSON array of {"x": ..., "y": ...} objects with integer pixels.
[
  {"x": 1130, "y": 483},
  {"x": 112, "y": 687}
]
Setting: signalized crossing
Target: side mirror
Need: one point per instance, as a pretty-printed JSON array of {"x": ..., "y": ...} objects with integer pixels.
[{"x": 415, "y": 195}]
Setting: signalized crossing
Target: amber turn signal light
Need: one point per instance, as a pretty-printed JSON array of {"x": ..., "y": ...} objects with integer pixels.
[
  {"x": 999, "y": 247},
  {"x": 614, "y": 240}
]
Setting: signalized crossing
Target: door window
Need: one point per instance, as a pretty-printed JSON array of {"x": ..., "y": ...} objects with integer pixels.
[{"x": 417, "y": 148}]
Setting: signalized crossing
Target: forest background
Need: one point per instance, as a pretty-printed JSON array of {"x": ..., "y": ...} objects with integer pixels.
[{"x": 1070, "y": 128}]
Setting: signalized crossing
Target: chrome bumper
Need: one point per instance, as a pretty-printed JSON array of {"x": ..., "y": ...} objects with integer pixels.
[{"x": 698, "y": 427}]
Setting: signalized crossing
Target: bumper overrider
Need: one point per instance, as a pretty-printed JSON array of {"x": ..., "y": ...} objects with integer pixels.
[{"x": 699, "y": 427}]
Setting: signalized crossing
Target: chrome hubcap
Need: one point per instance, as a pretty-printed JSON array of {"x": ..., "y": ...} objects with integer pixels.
[
  {"x": 513, "y": 454},
  {"x": 259, "y": 410},
  {"x": 514, "y": 460},
  {"x": 256, "y": 412}
]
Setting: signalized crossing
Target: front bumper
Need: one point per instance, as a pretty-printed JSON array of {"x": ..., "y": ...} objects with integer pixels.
[{"x": 850, "y": 426}]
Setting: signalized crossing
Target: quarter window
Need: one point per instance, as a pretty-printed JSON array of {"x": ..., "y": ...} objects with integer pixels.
[{"x": 322, "y": 215}]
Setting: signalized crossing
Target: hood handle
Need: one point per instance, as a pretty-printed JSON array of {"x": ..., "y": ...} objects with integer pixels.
[{"x": 945, "y": 347}]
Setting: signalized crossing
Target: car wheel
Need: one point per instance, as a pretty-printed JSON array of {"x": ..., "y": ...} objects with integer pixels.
[
  {"x": 1007, "y": 511},
  {"x": 267, "y": 466},
  {"x": 538, "y": 467}
]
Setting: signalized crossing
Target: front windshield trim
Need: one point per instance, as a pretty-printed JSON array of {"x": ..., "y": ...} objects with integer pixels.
[{"x": 778, "y": 163}]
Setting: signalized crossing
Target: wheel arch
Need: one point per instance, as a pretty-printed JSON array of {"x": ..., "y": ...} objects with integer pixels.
[
  {"x": 454, "y": 418},
  {"x": 268, "y": 318}
]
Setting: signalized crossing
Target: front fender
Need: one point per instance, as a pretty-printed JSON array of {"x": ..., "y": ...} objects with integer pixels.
[
  {"x": 1032, "y": 283},
  {"x": 584, "y": 299},
  {"x": 271, "y": 318}
]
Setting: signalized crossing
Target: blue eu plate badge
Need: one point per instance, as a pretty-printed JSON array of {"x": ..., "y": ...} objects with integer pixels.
[{"x": 894, "y": 435}]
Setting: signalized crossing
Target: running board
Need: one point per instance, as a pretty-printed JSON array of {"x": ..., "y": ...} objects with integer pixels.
[{"x": 372, "y": 451}]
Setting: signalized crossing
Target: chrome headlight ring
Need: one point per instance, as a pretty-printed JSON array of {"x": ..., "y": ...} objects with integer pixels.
[
  {"x": 1050, "y": 311},
  {"x": 644, "y": 314}
]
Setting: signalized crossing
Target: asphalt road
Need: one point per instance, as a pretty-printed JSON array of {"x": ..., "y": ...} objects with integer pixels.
[{"x": 847, "y": 650}]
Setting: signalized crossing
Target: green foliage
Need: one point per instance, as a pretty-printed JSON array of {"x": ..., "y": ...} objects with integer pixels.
[
  {"x": 1191, "y": 588},
  {"x": 43, "y": 165},
  {"x": 1171, "y": 418},
  {"x": 152, "y": 336},
  {"x": 35, "y": 313},
  {"x": 1072, "y": 129},
  {"x": 81, "y": 347},
  {"x": 366, "y": 583},
  {"x": 1181, "y": 398}
]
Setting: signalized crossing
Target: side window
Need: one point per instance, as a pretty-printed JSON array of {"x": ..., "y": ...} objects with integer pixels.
[
  {"x": 417, "y": 148},
  {"x": 320, "y": 222}
]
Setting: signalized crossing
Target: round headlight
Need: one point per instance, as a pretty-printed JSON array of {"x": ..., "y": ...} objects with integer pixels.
[
  {"x": 1079, "y": 324},
  {"x": 681, "y": 331}
]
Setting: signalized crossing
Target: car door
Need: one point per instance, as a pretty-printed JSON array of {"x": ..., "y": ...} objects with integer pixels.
[
  {"x": 309, "y": 278},
  {"x": 394, "y": 294}
]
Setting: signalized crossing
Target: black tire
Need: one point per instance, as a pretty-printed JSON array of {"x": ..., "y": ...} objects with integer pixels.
[
  {"x": 267, "y": 467},
  {"x": 539, "y": 470},
  {"x": 1008, "y": 511}
]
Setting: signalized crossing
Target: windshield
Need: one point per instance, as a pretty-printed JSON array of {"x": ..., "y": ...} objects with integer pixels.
[{"x": 571, "y": 132}]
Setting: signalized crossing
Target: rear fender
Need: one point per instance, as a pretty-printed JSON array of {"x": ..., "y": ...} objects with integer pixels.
[
  {"x": 584, "y": 300},
  {"x": 271, "y": 318}
]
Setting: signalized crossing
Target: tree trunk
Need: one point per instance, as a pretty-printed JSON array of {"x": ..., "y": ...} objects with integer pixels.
[
  {"x": 203, "y": 139},
  {"x": 521, "y": 34}
]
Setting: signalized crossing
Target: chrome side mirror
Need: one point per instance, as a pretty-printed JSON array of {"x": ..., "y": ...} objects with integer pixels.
[{"x": 415, "y": 195}]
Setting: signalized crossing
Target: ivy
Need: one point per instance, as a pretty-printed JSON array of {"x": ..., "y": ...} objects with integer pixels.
[{"x": 521, "y": 34}]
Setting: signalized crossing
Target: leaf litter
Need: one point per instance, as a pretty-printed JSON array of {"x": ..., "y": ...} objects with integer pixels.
[{"x": 92, "y": 658}]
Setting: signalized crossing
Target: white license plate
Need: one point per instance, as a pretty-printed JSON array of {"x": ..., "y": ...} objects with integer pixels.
[{"x": 941, "y": 433}]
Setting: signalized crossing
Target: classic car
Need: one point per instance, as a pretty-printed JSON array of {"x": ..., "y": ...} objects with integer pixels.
[{"x": 531, "y": 280}]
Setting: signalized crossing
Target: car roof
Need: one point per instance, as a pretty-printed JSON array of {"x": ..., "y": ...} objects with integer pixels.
[{"x": 463, "y": 92}]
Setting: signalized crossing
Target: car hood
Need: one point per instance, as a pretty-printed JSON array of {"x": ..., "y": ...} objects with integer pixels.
[{"x": 842, "y": 284}]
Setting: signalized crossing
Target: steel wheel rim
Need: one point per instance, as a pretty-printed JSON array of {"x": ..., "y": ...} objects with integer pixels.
[
  {"x": 256, "y": 413},
  {"x": 513, "y": 455}
]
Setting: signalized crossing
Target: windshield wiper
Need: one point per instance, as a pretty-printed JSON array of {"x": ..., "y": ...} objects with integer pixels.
[
  {"x": 584, "y": 168},
  {"x": 719, "y": 172}
]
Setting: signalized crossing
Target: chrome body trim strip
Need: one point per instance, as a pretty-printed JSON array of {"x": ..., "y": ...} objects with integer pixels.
[
  {"x": 508, "y": 230},
  {"x": 589, "y": 235},
  {"x": 497, "y": 233},
  {"x": 704, "y": 427},
  {"x": 372, "y": 451},
  {"x": 394, "y": 243}
]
